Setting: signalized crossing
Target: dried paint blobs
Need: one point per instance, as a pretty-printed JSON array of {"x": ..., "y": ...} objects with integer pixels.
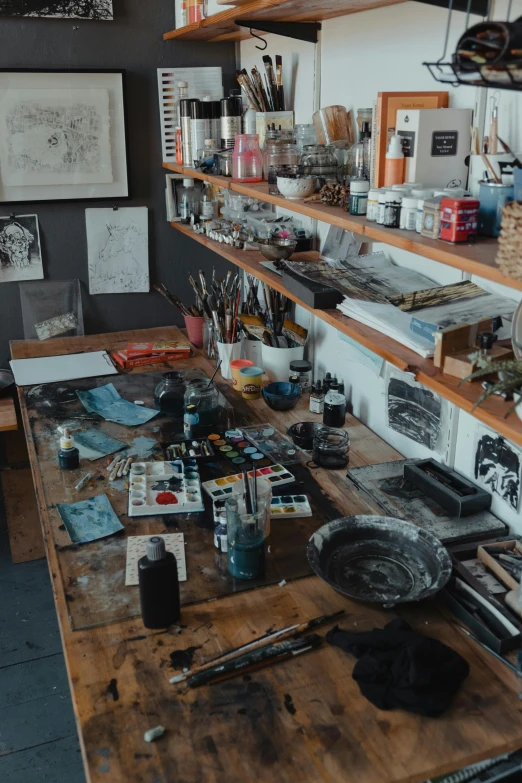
[
  {"x": 154, "y": 734},
  {"x": 166, "y": 499}
]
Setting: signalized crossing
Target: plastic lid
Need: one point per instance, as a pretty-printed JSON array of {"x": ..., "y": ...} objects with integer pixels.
[
  {"x": 382, "y": 196},
  {"x": 251, "y": 372},
  {"x": 66, "y": 439},
  {"x": 412, "y": 203},
  {"x": 188, "y": 182},
  {"x": 156, "y": 548},
  {"x": 393, "y": 195},
  {"x": 395, "y": 147},
  {"x": 422, "y": 192},
  {"x": 182, "y": 84},
  {"x": 373, "y": 193},
  {"x": 301, "y": 365},
  {"x": 359, "y": 186}
]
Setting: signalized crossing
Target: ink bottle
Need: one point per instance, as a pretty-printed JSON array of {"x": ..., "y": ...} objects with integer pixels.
[
  {"x": 190, "y": 420},
  {"x": 68, "y": 456},
  {"x": 327, "y": 382},
  {"x": 159, "y": 586},
  {"x": 317, "y": 398},
  {"x": 220, "y": 533},
  {"x": 334, "y": 409}
]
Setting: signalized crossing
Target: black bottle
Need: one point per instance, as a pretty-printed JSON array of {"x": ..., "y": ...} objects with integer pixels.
[
  {"x": 327, "y": 382},
  {"x": 159, "y": 586}
]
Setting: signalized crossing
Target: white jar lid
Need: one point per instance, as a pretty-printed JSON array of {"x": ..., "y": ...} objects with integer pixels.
[
  {"x": 393, "y": 195},
  {"x": 359, "y": 186},
  {"x": 410, "y": 203},
  {"x": 422, "y": 192},
  {"x": 373, "y": 194}
]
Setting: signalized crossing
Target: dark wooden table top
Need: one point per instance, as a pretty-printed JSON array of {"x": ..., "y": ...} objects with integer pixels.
[{"x": 304, "y": 720}]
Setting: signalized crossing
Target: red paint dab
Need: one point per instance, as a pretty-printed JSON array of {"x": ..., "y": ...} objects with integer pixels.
[{"x": 166, "y": 499}]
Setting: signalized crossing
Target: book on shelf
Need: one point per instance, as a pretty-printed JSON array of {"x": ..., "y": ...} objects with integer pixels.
[{"x": 388, "y": 104}]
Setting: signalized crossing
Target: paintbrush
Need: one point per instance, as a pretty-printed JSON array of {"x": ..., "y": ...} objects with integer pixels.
[
  {"x": 161, "y": 289},
  {"x": 215, "y": 317},
  {"x": 261, "y": 90},
  {"x": 272, "y": 81},
  {"x": 490, "y": 169},
  {"x": 258, "y": 659},
  {"x": 280, "y": 87},
  {"x": 248, "y": 91},
  {"x": 268, "y": 92},
  {"x": 290, "y": 630},
  {"x": 510, "y": 152}
]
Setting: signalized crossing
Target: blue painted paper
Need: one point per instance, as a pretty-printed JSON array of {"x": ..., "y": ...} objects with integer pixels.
[
  {"x": 94, "y": 444},
  {"x": 106, "y": 402},
  {"x": 90, "y": 519}
]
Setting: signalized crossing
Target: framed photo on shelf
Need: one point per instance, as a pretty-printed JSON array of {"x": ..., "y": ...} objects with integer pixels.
[{"x": 63, "y": 136}]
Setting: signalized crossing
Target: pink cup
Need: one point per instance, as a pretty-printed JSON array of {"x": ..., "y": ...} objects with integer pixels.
[{"x": 194, "y": 326}]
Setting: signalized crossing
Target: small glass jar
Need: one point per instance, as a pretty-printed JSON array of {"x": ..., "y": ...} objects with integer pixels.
[
  {"x": 247, "y": 531},
  {"x": 331, "y": 448},
  {"x": 169, "y": 394},
  {"x": 319, "y": 161},
  {"x": 225, "y": 163},
  {"x": 303, "y": 369},
  {"x": 205, "y": 396},
  {"x": 247, "y": 161},
  {"x": 279, "y": 153},
  {"x": 304, "y": 135}
]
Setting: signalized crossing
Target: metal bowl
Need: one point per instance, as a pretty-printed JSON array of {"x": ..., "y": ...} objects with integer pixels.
[
  {"x": 6, "y": 382},
  {"x": 379, "y": 559},
  {"x": 277, "y": 249}
]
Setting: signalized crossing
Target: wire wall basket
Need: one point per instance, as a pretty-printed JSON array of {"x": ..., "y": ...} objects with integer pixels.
[{"x": 488, "y": 54}]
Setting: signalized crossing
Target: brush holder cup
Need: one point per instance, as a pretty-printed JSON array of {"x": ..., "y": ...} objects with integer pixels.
[
  {"x": 276, "y": 361},
  {"x": 195, "y": 327},
  {"x": 227, "y": 353}
]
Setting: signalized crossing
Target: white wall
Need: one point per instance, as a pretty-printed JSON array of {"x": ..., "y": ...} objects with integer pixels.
[{"x": 360, "y": 55}]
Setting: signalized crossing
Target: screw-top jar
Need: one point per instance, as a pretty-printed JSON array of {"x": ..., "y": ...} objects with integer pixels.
[
  {"x": 247, "y": 162},
  {"x": 392, "y": 211},
  {"x": 409, "y": 213},
  {"x": 279, "y": 153},
  {"x": 331, "y": 448},
  {"x": 381, "y": 210},
  {"x": 303, "y": 369},
  {"x": 359, "y": 196},
  {"x": 372, "y": 208}
]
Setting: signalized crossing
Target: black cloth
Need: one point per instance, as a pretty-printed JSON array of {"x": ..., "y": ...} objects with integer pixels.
[{"x": 401, "y": 669}]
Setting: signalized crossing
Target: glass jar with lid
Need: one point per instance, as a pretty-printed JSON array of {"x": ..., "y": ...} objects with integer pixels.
[
  {"x": 319, "y": 161},
  {"x": 304, "y": 135},
  {"x": 205, "y": 396},
  {"x": 279, "y": 153},
  {"x": 331, "y": 448},
  {"x": 169, "y": 394}
]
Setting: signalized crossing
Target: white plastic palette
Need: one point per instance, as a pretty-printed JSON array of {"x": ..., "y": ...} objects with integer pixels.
[
  {"x": 275, "y": 475},
  {"x": 290, "y": 506},
  {"x": 164, "y": 488}
]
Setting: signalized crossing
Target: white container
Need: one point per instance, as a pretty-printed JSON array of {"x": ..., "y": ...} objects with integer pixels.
[
  {"x": 227, "y": 353},
  {"x": 296, "y": 189},
  {"x": 253, "y": 350},
  {"x": 276, "y": 361},
  {"x": 359, "y": 196},
  {"x": 409, "y": 213},
  {"x": 418, "y": 219},
  {"x": 382, "y": 207},
  {"x": 372, "y": 209}
]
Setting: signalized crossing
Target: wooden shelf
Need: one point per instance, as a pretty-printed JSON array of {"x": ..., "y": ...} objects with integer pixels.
[
  {"x": 478, "y": 259},
  {"x": 491, "y": 412},
  {"x": 221, "y": 27}
]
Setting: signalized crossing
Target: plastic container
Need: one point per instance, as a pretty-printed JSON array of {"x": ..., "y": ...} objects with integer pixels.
[
  {"x": 247, "y": 161},
  {"x": 276, "y": 361},
  {"x": 359, "y": 196},
  {"x": 392, "y": 211},
  {"x": 303, "y": 369},
  {"x": 250, "y": 380},
  {"x": 394, "y": 166},
  {"x": 188, "y": 201},
  {"x": 372, "y": 208},
  {"x": 236, "y": 365},
  {"x": 158, "y": 585},
  {"x": 227, "y": 353},
  {"x": 409, "y": 213}
]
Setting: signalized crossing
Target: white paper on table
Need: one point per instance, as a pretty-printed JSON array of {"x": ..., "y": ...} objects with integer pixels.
[
  {"x": 50, "y": 369},
  {"x": 137, "y": 548}
]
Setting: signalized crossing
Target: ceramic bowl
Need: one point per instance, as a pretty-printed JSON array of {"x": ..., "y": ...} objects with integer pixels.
[
  {"x": 295, "y": 189},
  {"x": 282, "y": 395},
  {"x": 277, "y": 249}
]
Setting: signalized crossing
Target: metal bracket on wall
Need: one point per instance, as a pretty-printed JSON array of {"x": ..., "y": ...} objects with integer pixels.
[
  {"x": 480, "y": 7},
  {"x": 302, "y": 31}
]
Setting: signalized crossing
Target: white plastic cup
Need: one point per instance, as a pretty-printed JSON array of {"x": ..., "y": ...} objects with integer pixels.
[
  {"x": 227, "y": 353},
  {"x": 276, "y": 361}
]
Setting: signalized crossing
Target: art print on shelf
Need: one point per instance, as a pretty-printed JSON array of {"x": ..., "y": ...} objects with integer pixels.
[
  {"x": 118, "y": 250},
  {"x": 497, "y": 467},
  {"x": 20, "y": 249},
  {"x": 64, "y": 9},
  {"x": 62, "y": 136}
]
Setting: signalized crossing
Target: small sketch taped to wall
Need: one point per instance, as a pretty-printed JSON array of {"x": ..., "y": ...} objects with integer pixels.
[
  {"x": 20, "y": 249},
  {"x": 497, "y": 466},
  {"x": 118, "y": 250},
  {"x": 55, "y": 137},
  {"x": 64, "y": 9}
]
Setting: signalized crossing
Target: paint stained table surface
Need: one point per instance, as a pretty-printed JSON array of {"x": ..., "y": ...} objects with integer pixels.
[{"x": 303, "y": 720}]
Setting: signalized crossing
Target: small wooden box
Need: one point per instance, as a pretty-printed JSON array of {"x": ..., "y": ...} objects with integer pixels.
[{"x": 494, "y": 565}]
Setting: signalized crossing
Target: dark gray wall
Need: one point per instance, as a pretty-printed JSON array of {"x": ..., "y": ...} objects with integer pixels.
[{"x": 132, "y": 41}]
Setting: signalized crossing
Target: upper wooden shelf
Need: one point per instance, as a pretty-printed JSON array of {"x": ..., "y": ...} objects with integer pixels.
[
  {"x": 221, "y": 27},
  {"x": 478, "y": 259},
  {"x": 491, "y": 412}
]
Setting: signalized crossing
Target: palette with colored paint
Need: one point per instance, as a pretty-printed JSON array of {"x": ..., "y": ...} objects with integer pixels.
[
  {"x": 164, "y": 488},
  {"x": 266, "y": 440},
  {"x": 233, "y": 445},
  {"x": 275, "y": 475},
  {"x": 290, "y": 506}
]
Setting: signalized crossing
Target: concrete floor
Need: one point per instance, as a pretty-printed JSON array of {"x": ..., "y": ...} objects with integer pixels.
[{"x": 38, "y": 739}]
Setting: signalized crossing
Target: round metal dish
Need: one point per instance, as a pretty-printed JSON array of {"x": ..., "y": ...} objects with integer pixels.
[
  {"x": 277, "y": 249},
  {"x": 379, "y": 559},
  {"x": 6, "y": 381}
]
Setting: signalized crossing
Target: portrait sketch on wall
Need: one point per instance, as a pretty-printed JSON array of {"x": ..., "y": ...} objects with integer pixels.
[
  {"x": 55, "y": 137},
  {"x": 497, "y": 467},
  {"x": 20, "y": 249},
  {"x": 118, "y": 250},
  {"x": 65, "y": 9}
]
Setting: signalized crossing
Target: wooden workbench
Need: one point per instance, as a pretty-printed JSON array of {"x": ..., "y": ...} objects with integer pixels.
[
  {"x": 303, "y": 720},
  {"x": 8, "y": 421}
]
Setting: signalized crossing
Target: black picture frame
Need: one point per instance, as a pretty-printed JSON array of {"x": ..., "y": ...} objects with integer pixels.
[{"x": 124, "y": 159}]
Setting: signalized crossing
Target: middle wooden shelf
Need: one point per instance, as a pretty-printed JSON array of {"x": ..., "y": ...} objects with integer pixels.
[
  {"x": 491, "y": 412},
  {"x": 477, "y": 259}
]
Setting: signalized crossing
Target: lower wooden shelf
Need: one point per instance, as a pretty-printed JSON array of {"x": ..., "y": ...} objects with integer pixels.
[{"x": 491, "y": 412}]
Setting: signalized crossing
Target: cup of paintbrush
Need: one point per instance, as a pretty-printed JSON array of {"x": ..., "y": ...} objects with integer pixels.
[{"x": 228, "y": 352}]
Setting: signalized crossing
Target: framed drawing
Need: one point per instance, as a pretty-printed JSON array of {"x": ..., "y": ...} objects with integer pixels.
[
  {"x": 63, "y": 136},
  {"x": 64, "y": 9}
]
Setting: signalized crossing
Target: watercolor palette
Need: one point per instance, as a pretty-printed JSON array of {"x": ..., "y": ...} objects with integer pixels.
[
  {"x": 164, "y": 488},
  {"x": 290, "y": 506},
  {"x": 275, "y": 475},
  {"x": 234, "y": 446},
  {"x": 273, "y": 445}
]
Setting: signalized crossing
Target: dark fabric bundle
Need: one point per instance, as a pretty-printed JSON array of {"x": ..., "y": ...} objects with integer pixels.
[{"x": 401, "y": 669}]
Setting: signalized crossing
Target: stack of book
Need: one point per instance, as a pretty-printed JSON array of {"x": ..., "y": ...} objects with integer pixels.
[{"x": 142, "y": 354}]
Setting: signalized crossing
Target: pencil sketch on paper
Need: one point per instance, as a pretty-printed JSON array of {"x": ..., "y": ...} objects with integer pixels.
[
  {"x": 118, "y": 250},
  {"x": 55, "y": 137},
  {"x": 65, "y": 9},
  {"x": 20, "y": 249},
  {"x": 497, "y": 467}
]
